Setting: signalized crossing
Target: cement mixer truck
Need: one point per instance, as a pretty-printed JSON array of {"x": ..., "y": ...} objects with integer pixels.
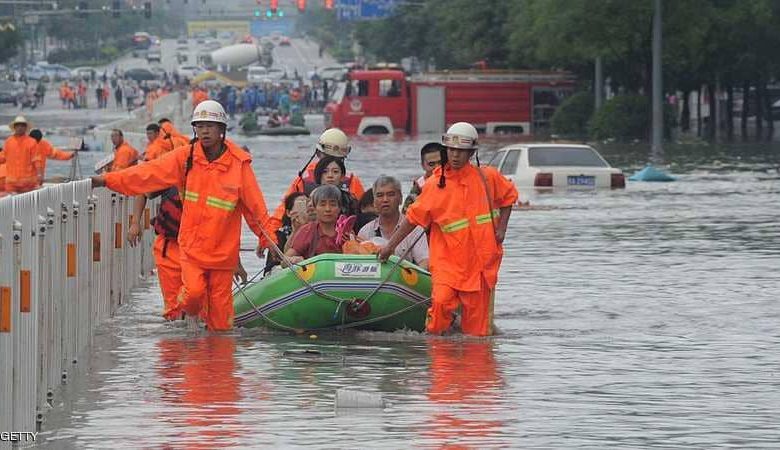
[{"x": 240, "y": 55}]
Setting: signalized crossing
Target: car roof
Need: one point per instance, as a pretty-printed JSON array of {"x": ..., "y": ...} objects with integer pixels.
[{"x": 543, "y": 146}]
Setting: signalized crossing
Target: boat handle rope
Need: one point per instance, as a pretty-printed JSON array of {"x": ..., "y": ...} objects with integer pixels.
[{"x": 327, "y": 296}]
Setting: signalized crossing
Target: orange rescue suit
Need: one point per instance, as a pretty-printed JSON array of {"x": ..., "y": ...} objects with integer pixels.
[
  {"x": 355, "y": 188},
  {"x": 124, "y": 157},
  {"x": 168, "y": 263},
  {"x": 22, "y": 163},
  {"x": 156, "y": 149},
  {"x": 464, "y": 254},
  {"x": 217, "y": 193},
  {"x": 171, "y": 138},
  {"x": 48, "y": 151}
]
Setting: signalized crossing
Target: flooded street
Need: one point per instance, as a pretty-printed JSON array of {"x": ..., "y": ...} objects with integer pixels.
[{"x": 636, "y": 318}]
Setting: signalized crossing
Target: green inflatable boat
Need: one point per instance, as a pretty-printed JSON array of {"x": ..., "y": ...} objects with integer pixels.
[{"x": 332, "y": 291}]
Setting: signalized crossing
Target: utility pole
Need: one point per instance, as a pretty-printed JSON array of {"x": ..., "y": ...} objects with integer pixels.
[
  {"x": 658, "y": 112},
  {"x": 599, "y": 83}
]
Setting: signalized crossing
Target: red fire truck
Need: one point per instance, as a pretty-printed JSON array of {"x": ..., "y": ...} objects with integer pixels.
[{"x": 497, "y": 102}]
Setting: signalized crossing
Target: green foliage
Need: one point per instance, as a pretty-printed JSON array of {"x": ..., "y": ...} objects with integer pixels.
[
  {"x": 10, "y": 40},
  {"x": 623, "y": 117},
  {"x": 572, "y": 117}
]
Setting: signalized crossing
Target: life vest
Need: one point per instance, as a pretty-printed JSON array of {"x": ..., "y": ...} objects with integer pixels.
[
  {"x": 168, "y": 219},
  {"x": 166, "y": 222}
]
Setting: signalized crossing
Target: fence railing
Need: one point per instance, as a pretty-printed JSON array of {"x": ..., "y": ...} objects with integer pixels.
[{"x": 65, "y": 266}]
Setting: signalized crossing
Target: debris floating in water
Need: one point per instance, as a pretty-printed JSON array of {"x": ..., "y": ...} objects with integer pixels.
[
  {"x": 650, "y": 173},
  {"x": 346, "y": 398}
]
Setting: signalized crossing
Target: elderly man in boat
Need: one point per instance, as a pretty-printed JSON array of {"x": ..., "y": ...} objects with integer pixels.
[{"x": 387, "y": 201}]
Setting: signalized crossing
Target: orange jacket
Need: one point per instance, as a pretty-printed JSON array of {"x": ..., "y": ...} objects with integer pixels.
[
  {"x": 171, "y": 138},
  {"x": 155, "y": 149},
  {"x": 48, "y": 151},
  {"x": 216, "y": 195},
  {"x": 124, "y": 157},
  {"x": 22, "y": 161},
  {"x": 462, "y": 241},
  {"x": 198, "y": 96},
  {"x": 355, "y": 188}
]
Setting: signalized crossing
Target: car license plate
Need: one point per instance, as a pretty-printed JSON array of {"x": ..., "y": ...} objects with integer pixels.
[{"x": 581, "y": 180}]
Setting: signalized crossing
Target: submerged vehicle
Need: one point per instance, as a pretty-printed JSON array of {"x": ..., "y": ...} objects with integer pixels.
[{"x": 335, "y": 291}]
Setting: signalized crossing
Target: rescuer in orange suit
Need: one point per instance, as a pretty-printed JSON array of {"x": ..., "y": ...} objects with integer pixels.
[
  {"x": 47, "y": 151},
  {"x": 172, "y": 138},
  {"x": 124, "y": 154},
  {"x": 217, "y": 186},
  {"x": 21, "y": 159},
  {"x": 332, "y": 142},
  {"x": 467, "y": 212},
  {"x": 165, "y": 248},
  {"x": 199, "y": 95},
  {"x": 155, "y": 147}
]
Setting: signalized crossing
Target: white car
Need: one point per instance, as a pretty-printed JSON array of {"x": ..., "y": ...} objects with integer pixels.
[
  {"x": 190, "y": 71},
  {"x": 276, "y": 73},
  {"x": 256, "y": 74},
  {"x": 547, "y": 166},
  {"x": 332, "y": 73}
]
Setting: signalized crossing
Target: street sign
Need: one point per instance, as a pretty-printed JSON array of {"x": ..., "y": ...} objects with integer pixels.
[{"x": 364, "y": 9}]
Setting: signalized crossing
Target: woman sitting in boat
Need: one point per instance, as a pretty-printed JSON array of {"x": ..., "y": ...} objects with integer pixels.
[
  {"x": 319, "y": 236},
  {"x": 274, "y": 121},
  {"x": 331, "y": 171},
  {"x": 297, "y": 213}
]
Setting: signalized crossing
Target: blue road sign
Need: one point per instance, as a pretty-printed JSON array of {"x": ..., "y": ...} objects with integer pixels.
[{"x": 364, "y": 9}]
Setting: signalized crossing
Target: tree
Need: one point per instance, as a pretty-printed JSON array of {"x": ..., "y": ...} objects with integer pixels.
[{"x": 10, "y": 41}]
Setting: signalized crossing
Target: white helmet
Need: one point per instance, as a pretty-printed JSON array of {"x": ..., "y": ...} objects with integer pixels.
[
  {"x": 334, "y": 142},
  {"x": 209, "y": 111},
  {"x": 460, "y": 135}
]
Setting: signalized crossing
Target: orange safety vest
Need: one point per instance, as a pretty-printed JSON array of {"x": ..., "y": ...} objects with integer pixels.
[
  {"x": 215, "y": 194},
  {"x": 462, "y": 241}
]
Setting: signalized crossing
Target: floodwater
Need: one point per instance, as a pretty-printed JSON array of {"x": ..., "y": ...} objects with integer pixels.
[{"x": 636, "y": 318}]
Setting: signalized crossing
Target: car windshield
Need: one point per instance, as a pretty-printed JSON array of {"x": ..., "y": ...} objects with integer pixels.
[
  {"x": 564, "y": 156},
  {"x": 496, "y": 159}
]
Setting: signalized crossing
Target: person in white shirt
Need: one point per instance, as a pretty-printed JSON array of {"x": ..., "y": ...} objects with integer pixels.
[{"x": 387, "y": 201}]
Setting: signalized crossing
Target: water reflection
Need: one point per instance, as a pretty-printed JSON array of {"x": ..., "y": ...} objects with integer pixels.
[
  {"x": 466, "y": 387},
  {"x": 199, "y": 378}
]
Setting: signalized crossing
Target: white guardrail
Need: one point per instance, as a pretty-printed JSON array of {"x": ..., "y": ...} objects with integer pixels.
[{"x": 65, "y": 267}]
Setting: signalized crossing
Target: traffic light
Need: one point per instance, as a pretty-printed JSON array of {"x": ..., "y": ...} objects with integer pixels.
[
  {"x": 115, "y": 7},
  {"x": 328, "y": 4},
  {"x": 82, "y": 6},
  {"x": 148, "y": 10},
  {"x": 301, "y": 4},
  {"x": 274, "y": 5},
  {"x": 280, "y": 13},
  {"x": 268, "y": 13},
  {"x": 257, "y": 13}
]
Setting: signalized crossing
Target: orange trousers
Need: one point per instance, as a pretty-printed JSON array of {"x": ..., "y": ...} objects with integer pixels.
[
  {"x": 207, "y": 293},
  {"x": 169, "y": 273},
  {"x": 476, "y": 310}
]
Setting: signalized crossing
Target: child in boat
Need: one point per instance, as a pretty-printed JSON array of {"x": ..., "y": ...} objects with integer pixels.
[
  {"x": 297, "y": 213},
  {"x": 319, "y": 236}
]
